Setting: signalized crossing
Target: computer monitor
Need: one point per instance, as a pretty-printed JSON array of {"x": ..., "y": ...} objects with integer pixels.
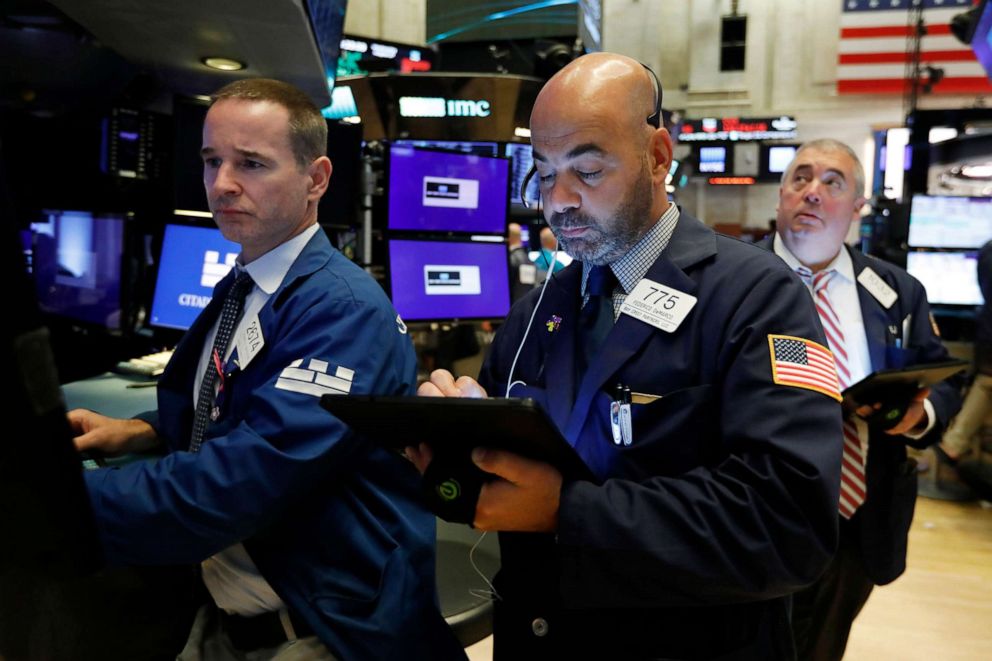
[
  {"x": 713, "y": 160},
  {"x": 950, "y": 277},
  {"x": 464, "y": 146},
  {"x": 775, "y": 160},
  {"x": 442, "y": 280},
  {"x": 192, "y": 261},
  {"x": 522, "y": 160},
  {"x": 435, "y": 191},
  {"x": 76, "y": 258},
  {"x": 950, "y": 222},
  {"x": 981, "y": 38}
]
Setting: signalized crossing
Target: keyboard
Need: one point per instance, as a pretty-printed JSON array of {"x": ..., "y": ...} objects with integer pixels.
[{"x": 151, "y": 365}]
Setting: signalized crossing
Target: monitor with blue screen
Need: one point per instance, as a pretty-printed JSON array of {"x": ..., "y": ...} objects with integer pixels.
[
  {"x": 713, "y": 160},
  {"x": 950, "y": 277},
  {"x": 950, "y": 222},
  {"x": 76, "y": 258},
  {"x": 434, "y": 191},
  {"x": 193, "y": 260},
  {"x": 522, "y": 159},
  {"x": 441, "y": 280}
]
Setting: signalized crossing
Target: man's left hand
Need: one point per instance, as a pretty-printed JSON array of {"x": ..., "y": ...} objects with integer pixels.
[
  {"x": 915, "y": 418},
  {"x": 524, "y": 498}
]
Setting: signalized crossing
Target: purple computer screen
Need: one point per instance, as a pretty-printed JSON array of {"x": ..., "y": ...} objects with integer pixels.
[
  {"x": 432, "y": 191},
  {"x": 75, "y": 258},
  {"x": 449, "y": 279},
  {"x": 981, "y": 40}
]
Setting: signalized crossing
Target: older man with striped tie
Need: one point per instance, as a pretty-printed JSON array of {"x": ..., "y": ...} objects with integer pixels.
[{"x": 875, "y": 316}]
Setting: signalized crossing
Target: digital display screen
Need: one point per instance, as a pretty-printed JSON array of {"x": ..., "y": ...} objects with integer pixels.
[
  {"x": 950, "y": 278},
  {"x": 434, "y": 280},
  {"x": 464, "y": 146},
  {"x": 950, "y": 222},
  {"x": 192, "y": 262},
  {"x": 779, "y": 157},
  {"x": 522, "y": 159},
  {"x": 75, "y": 257},
  {"x": 433, "y": 191},
  {"x": 713, "y": 160},
  {"x": 981, "y": 40}
]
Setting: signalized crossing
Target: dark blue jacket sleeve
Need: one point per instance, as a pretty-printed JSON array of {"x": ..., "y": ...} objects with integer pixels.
[{"x": 186, "y": 507}]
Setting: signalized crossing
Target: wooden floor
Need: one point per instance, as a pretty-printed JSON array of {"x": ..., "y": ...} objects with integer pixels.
[{"x": 939, "y": 610}]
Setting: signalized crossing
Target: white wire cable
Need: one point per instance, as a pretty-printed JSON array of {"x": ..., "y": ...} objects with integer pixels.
[
  {"x": 491, "y": 593},
  {"x": 551, "y": 269}
]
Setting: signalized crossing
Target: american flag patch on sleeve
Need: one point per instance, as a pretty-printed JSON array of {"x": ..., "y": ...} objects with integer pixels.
[{"x": 804, "y": 364}]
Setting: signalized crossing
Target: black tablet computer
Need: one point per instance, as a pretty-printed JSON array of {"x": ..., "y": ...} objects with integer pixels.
[
  {"x": 873, "y": 386},
  {"x": 894, "y": 389},
  {"x": 454, "y": 426}
]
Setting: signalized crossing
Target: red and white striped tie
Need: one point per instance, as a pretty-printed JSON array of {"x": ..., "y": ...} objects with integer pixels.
[{"x": 852, "y": 474}]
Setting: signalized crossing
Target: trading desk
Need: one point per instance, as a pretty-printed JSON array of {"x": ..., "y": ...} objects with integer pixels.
[{"x": 116, "y": 395}]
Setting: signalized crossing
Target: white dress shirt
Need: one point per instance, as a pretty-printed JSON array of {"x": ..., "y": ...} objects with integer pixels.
[
  {"x": 843, "y": 292},
  {"x": 232, "y": 578}
]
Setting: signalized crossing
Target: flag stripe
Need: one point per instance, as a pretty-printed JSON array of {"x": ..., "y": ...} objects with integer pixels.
[
  {"x": 966, "y": 85},
  {"x": 865, "y": 71},
  {"x": 904, "y": 31},
  {"x": 903, "y": 58},
  {"x": 897, "y": 45}
]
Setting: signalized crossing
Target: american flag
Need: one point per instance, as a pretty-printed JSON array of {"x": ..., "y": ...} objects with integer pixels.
[
  {"x": 875, "y": 36},
  {"x": 803, "y": 363}
]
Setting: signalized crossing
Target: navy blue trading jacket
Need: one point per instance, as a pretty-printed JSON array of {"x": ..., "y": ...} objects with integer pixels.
[
  {"x": 724, "y": 503},
  {"x": 332, "y": 523}
]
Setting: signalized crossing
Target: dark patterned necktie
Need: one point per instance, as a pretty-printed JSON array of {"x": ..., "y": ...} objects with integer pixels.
[
  {"x": 233, "y": 304},
  {"x": 596, "y": 317}
]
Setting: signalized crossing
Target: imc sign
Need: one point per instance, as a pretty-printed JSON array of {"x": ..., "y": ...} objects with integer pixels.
[{"x": 436, "y": 106}]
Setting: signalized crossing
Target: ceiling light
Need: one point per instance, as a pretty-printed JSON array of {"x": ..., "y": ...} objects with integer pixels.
[{"x": 223, "y": 63}]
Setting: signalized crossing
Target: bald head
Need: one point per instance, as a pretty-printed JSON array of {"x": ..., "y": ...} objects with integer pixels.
[
  {"x": 600, "y": 164},
  {"x": 598, "y": 85}
]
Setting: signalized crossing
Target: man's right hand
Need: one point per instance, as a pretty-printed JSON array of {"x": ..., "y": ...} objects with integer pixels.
[
  {"x": 110, "y": 436},
  {"x": 441, "y": 384}
]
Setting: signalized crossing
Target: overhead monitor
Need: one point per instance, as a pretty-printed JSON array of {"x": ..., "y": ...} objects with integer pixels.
[
  {"x": 436, "y": 191},
  {"x": 442, "y": 280},
  {"x": 950, "y": 222},
  {"x": 778, "y": 157},
  {"x": 193, "y": 260},
  {"x": 464, "y": 146},
  {"x": 76, "y": 258},
  {"x": 713, "y": 160},
  {"x": 950, "y": 277}
]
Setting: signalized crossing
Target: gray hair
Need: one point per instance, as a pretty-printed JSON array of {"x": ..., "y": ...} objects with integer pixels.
[{"x": 831, "y": 145}]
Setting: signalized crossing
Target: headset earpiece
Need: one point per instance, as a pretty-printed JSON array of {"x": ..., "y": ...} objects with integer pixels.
[{"x": 654, "y": 119}]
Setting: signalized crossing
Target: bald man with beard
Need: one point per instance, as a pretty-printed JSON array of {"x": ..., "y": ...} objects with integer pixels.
[{"x": 719, "y": 499}]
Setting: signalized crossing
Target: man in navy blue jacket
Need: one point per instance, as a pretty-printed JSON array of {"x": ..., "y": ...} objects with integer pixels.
[
  {"x": 718, "y": 499},
  {"x": 875, "y": 316},
  {"x": 310, "y": 542}
]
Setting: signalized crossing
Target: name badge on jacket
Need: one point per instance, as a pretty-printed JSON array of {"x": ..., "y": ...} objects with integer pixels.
[
  {"x": 877, "y": 287},
  {"x": 249, "y": 341},
  {"x": 658, "y": 305}
]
